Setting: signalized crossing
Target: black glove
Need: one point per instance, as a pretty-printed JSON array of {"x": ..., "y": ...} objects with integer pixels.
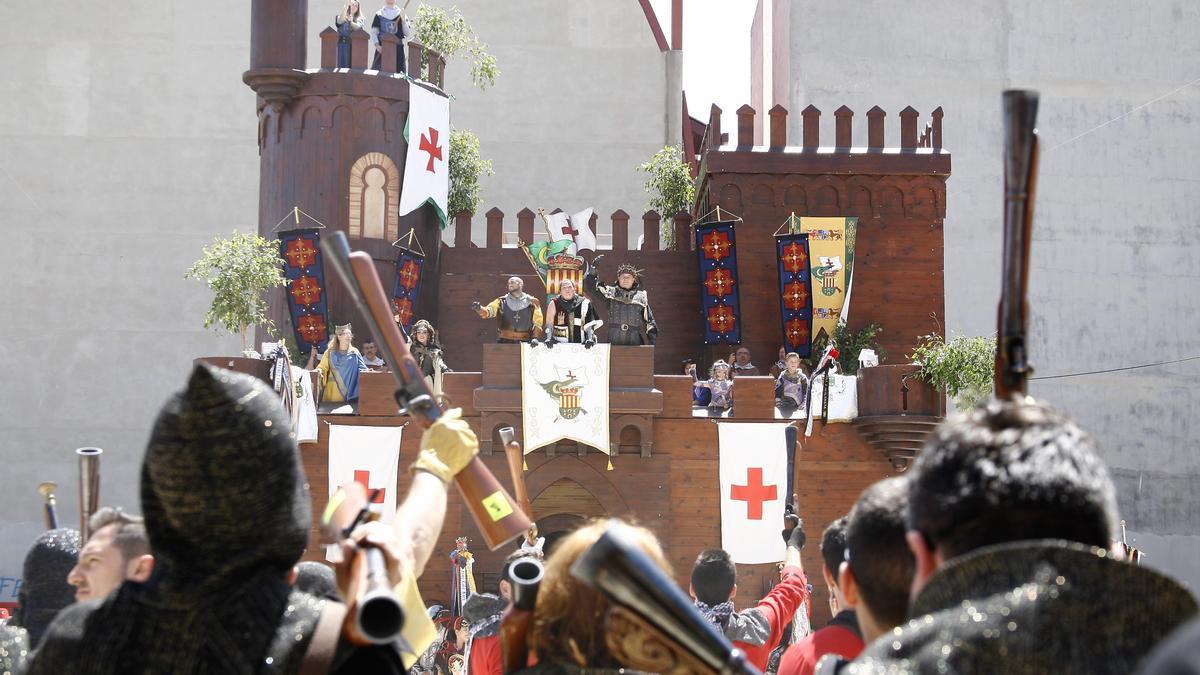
[
  {"x": 550, "y": 343},
  {"x": 589, "y": 343},
  {"x": 793, "y": 532},
  {"x": 596, "y": 260},
  {"x": 533, "y": 342},
  {"x": 652, "y": 335}
]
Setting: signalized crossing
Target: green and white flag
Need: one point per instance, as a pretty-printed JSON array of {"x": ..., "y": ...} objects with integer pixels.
[{"x": 426, "y": 168}]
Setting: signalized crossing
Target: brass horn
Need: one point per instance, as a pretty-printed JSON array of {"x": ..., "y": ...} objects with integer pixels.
[
  {"x": 89, "y": 488},
  {"x": 47, "y": 491}
]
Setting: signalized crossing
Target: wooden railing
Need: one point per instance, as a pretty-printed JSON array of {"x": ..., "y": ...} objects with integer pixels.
[
  {"x": 527, "y": 227},
  {"x": 420, "y": 59},
  {"x": 930, "y": 137}
]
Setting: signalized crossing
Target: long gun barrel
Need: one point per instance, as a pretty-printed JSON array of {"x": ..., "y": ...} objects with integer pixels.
[
  {"x": 618, "y": 568},
  {"x": 89, "y": 488},
  {"x": 496, "y": 513},
  {"x": 525, "y": 577},
  {"x": 1020, "y": 179},
  {"x": 47, "y": 491}
]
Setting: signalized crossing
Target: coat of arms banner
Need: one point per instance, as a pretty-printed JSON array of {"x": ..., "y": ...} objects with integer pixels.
[
  {"x": 301, "y": 253},
  {"x": 716, "y": 250},
  {"x": 564, "y": 395}
]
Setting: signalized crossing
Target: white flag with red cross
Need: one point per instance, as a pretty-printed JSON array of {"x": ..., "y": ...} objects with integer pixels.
[
  {"x": 426, "y": 167},
  {"x": 367, "y": 455},
  {"x": 753, "y": 479}
]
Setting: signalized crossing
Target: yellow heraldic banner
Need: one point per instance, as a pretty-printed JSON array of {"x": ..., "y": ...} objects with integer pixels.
[
  {"x": 564, "y": 395},
  {"x": 831, "y": 250}
]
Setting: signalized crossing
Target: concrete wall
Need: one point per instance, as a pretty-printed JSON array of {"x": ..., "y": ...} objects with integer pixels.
[{"x": 1116, "y": 252}]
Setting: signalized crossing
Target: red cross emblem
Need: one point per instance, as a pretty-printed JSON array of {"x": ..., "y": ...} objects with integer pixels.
[
  {"x": 794, "y": 258},
  {"x": 569, "y": 230},
  {"x": 312, "y": 328},
  {"x": 409, "y": 274},
  {"x": 306, "y": 291},
  {"x": 300, "y": 252},
  {"x": 716, "y": 245},
  {"x": 364, "y": 478},
  {"x": 754, "y": 493},
  {"x": 795, "y": 296},
  {"x": 429, "y": 143},
  {"x": 720, "y": 318},
  {"x": 719, "y": 282}
]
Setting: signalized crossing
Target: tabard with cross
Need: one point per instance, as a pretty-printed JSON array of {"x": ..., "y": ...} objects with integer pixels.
[{"x": 753, "y": 483}]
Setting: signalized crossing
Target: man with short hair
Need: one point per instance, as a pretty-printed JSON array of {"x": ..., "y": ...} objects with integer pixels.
[
  {"x": 757, "y": 630},
  {"x": 118, "y": 550},
  {"x": 741, "y": 363},
  {"x": 1010, "y": 521},
  {"x": 841, "y": 635},
  {"x": 482, "y": 612},
  {"x": 370, "y": 354},
  {"x": 877, "y": 574}
]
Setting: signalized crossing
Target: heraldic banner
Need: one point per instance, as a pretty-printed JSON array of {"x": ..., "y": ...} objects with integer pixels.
[
  {"x": 426, "y": 170},
  {"x": 795, "y": 292},
  {"x": 564, "y": 395},
  {"x": 753, "y": 480},
  {"x": 366, "y": 455},
  {"x": 715, "y": 247},
  {"x": 301, "y": 252},
  {"x": 409, "y": 265},
  {"x": 831, "y": 246}
]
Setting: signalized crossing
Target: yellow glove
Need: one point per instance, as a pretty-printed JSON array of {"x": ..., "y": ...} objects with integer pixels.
[{"x": 447, "y": 446}]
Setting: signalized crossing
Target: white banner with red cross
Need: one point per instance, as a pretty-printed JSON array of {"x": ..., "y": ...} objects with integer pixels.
[
  {"x": 426, "y": 166},
  {"x": 753, "y": 479},
  {"x": 367, "y": 455}
]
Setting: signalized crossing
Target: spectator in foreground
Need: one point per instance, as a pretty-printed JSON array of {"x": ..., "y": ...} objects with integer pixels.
[
  {"x": 118, "y": 550},
  {"x": 1010, "y": 520},
  {"x": 758, "y": 629},
  {"x": 841, "y": 635},
  {"x": 877, "y": 574},
  {"x": 44, "y": 588}
]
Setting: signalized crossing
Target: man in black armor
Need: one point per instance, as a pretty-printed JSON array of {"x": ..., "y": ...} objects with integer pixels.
[
  {"x": 630, "y": 321},
  {"x": 518, "y": 314},
  {"x": 571, "y": 318}
]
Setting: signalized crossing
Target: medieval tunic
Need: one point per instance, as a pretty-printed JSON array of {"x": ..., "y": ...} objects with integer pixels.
[
  {"x": 630, "y": 321},
  {"x": 791, "y": 390},
  {"x": 344, "y": 29},
  {"x": 571, "y": 317},
  {"x": 516, "y": 315},
  {"x": 339, "y": 375},
  {"x": 722, "y": 393},
  {"x": 387, "y": 21}
]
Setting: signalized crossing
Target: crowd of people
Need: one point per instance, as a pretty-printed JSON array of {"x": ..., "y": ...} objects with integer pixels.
[{"x": 994, "y": 553}]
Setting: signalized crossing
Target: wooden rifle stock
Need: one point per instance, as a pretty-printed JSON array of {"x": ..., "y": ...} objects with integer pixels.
[
  {"x": 512, "y": 452},
  {"x": 524, "y": 576},
  {"x": 496, "y": 514},
  {"x": 652, "y": 613},
  {"x": 1020, "y": 180}
]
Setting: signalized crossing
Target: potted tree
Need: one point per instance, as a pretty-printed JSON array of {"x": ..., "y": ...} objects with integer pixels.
[
  {"x": 239, "y": 270},
  {"x": 963, "y": 367}
]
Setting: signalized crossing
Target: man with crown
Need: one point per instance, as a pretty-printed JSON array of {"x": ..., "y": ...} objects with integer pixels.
[{"x": 630, "y": 321}]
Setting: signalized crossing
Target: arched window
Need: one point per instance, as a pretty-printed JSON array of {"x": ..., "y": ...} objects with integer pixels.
[{"x": 375, "y": 198}]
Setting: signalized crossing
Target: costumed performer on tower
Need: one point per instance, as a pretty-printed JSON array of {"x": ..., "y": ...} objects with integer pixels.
[
  {"x": 518, "y": 314},
  {"x": 339, "y": 368},
  {"x": 427, "y": 350},
  {"x": 390, "y": 19},
  {"x": 571, "y": 318},
  {"x": 630, "y": 321}
]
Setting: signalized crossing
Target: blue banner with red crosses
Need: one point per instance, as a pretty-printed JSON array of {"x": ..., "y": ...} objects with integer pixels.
[
  {"x": 716, "y": 249},
  {"x": 307, "y": 302},
  {"x": 795, "y": 292},
  {"x": 409, "y": 264}
]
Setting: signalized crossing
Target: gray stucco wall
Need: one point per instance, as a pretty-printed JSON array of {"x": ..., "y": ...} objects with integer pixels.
[
  {"x": 1116, "y": 249},
  {"x": 125, "y": 147}
]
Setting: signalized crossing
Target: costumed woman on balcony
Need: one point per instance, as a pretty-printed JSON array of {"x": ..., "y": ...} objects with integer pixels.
[
  {"x": 427, "y": 350},
  {"x": 390, "y": 19},
  {"x": 350, "y": 18},
  {"x": 570, "y": 317},
  {"x": 630, "y": 321},
  {"x": 518, "y": 314},
  {"x": 339, "y": 368}
]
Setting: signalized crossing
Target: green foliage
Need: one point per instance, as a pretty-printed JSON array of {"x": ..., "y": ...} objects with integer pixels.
[
  {"x": 849, "y": 344},
  {"x": 670, "y": 187},
  {"x": 449, "y": 34},
  {"x": 964, "y": 367},
  {"x": 466, "y": 166},
  {"x": 238, "y": 270}
]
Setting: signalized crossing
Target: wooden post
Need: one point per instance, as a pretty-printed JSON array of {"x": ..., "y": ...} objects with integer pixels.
[
  {"x": 462, "y": 230},
  {"x": 875, "y": 118},
  {"x": 811, "y": 117},
  {"x": 525, "y": 219},
  {"x": 937, "y": 128},
  {"x": 388, "y": 63},
  {"x": 683, "y": 231},
  {"x": 412, "y": 64},
  {"x": 495, "y": 228},
  {"x": 714, "y": 126},
  {"x": 745, "y": 118},
  {"x": 439, "y": 62},
  {"x": 650, "y": 231},
  {"x": 778, "y": 116},
  {"x": 360, "y": 45},
  {"x": 329, "y": 45},
  {"x": 620, "y": 222},
  {"x": 908, "y": 127},
  {"x": 842, "y": 129}
]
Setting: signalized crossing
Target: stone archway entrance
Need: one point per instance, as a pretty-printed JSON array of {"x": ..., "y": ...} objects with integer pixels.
[{"x": 562, "y": 507}]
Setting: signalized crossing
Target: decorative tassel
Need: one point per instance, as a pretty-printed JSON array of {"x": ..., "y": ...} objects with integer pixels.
[
  {"x": 524, "y": 464},
  {"x": 610, "y": 464}
]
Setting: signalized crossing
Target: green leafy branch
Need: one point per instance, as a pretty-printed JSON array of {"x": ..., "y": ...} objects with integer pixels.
[
  {"x": 670, "y": 186},
  {"x": 239, "y": 270},
  {"x": 466, "y": 166},
  {"x": 448, "y": 33},
  {"x": 963, "y": 367}
]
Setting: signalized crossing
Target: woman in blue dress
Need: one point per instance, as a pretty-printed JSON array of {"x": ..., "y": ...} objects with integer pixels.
[{"x": 350, "y": 19}]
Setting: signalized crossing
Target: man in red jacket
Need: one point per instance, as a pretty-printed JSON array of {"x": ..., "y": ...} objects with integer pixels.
[
  {"x": 841, "y": 635},
  {"x": 757, "y": 630}
]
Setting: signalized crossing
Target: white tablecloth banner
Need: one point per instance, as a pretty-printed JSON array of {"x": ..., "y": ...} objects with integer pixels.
[{"x": 753, "y": 479}]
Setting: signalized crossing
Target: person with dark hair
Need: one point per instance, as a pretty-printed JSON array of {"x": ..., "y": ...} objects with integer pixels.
[
  {"x": 841, "y": 635},
  {"x": 226, "y": 507},
  {"x": 44, "y": 588},
  {"x": 317, "y": 579},
  {"x": 117, "y": 550},
  {"x": 757, "y": 630},
  {"x": 877, "y": 573},
  {"x": 482, "y": 612},
  {"x": 1010, "y": 521}
]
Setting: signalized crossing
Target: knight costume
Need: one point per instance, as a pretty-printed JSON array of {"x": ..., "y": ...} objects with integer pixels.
[
  {"x": 517, "y": 314},
  {"x": 630, "y": 321},
  {"x": 575, "y": 321}
]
